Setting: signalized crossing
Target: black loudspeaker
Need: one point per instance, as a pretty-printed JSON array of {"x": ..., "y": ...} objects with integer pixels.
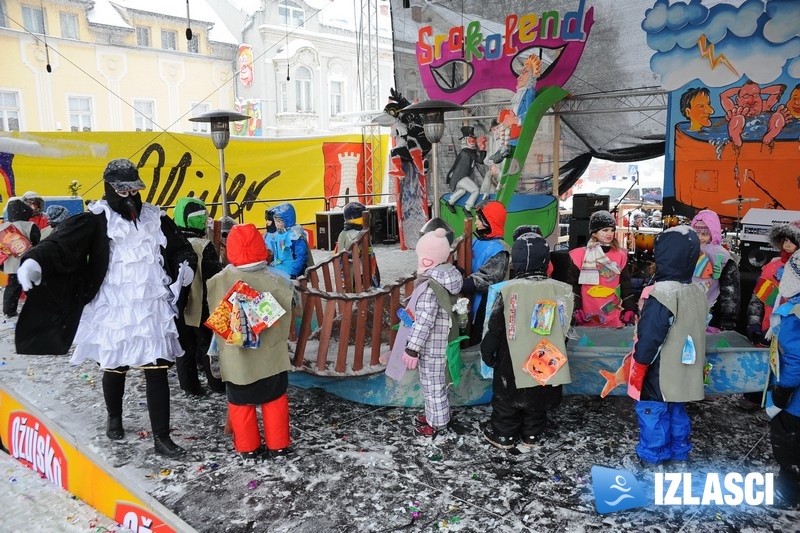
[
  {"x": 755, "y": 255},
  {"x": 583, "y": 205},
  {"x": 329, "y": 225},
  {"x": 579, "y": 232},
  {"x": 377, "y": 223}
]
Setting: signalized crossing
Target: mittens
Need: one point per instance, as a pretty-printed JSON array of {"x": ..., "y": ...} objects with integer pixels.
[
  {"x": 636, "y": 378},
  {"x": 29, "y": 274},
  {"x": 410, "y": 361},
  {"x": 628, "y": 317},
  {"x": 781, "y": 396}
]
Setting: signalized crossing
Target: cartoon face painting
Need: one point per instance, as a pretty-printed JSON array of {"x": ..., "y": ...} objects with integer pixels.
[
  {"x": 245, "y": 61},
  {"x": 793, "y": 105},
  {"x": 700, "y": 111}
]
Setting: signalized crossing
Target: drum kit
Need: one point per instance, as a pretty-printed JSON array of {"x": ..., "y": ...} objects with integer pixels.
[{"x": 644, "y": 238}]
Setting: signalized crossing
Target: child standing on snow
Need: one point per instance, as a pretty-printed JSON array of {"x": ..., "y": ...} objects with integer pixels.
[
  {"x": 288, "y": 242},
  {"x": 195, "y": 338},
  {"x": 785, "y": 426},
  {"x": 426, "y": 347},
  {"x": 18, "y": 214},
  {"x": 255, "y": 376},
  {"x": 716, "y": 272},
  {"x": 490, "y": 263},
  {"x": 520, "y": 402},
  {"x": 353, "y": 225},
  {"x": 669, "y": 354},
  {"x": 600, "y": 277}
]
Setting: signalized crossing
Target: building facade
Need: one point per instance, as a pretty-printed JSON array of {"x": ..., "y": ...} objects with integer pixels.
[{"x": 80, "y": 65}]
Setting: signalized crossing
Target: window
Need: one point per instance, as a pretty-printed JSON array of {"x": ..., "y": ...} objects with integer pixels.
[
  {"x": 3, "y": 22},
  {"x": 33, "y": 19},
  {"x": 197, "y": 110},
  {"x": 144, "y": 114},
  {"x": 337, "y": 88},
  {"x": 80, "y": 113},
  {"x": 69, "y": 25},
  {"x": 283, "y": 91},
  {"x": 9, "y": 111},
  {"x": 302, "y": 90},
  {"x": 169, "y": 40},
  {"x": 142, "y": 36},
  {"x": 194, "y": 43},
  {"x": 291, "y": 13}
]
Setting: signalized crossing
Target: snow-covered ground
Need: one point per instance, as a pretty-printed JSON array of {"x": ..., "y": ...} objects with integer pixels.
[{"x": 359, "y": 468}]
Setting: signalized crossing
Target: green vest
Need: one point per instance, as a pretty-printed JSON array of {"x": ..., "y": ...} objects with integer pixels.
[
  {"x": 243, "y": 366},
  {"x": 528, "y": 293},
  {"x": 680, "y": 382}
]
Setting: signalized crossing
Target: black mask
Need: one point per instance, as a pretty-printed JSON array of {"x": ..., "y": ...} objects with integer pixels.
[{"x": 129, "y": 207}]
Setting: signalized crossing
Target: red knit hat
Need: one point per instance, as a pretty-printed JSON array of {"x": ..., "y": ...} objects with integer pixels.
[{"x": 245, "y": 245}]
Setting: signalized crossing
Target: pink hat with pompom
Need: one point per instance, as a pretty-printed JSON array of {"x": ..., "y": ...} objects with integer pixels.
[{"x": 432, "y": 249}]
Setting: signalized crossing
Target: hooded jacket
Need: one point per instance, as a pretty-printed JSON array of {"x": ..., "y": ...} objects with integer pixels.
[
  {"x": 766, "y": 290},
  {"x": 18, "y": 214},
  {"x": 289, "y": 248},
  {"x": 675, "y": 309},
  {"x": 530, "y": 256},
  {"x": 254, "y": 375},
  {"x": 723, "y": 293}
]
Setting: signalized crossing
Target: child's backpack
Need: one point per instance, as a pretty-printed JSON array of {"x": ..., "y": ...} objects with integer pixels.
[{"x": 448, "y": 302}]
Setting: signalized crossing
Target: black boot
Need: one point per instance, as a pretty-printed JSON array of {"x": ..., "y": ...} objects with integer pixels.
[
  {"x": 164, "y": 446},
  {"x": 114, "y": 429}
]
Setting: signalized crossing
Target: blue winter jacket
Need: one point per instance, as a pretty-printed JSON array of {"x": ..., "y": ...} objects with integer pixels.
[
  {"x": 789, "y": 340},
  {"x": 289, "y": 248},
  {"x": 676, "y": 255}
]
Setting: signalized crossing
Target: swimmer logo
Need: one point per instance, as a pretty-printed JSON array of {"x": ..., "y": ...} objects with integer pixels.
[{"x": 616, "y": 490}]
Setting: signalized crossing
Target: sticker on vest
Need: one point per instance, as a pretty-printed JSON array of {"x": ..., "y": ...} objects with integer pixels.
[
  {"x": 703, "y": 269},
  {"x": 543, "y": 363},
  {"x": 606, "y": 272},
  {"x": 542, "y": 319},
  {"x": 600, "y": 291},
  {"x": 688, "y": 354},
  {"x": 512, "y": 317}
]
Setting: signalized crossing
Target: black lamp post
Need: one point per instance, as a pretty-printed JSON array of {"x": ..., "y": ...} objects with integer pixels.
[
  {"x": 432, "y": 114},
  {"x": 220, "y": 135}
]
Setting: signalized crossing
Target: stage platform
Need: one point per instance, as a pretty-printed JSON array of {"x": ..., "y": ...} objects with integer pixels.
[{"x": 359, "y": 468}]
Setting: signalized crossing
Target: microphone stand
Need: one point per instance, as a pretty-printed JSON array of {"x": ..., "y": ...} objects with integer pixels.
[
  {"x": 775, "y": 203},
  {"x": 621, "y": 198}
]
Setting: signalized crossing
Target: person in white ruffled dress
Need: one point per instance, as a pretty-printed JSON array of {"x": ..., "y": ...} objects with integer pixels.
[{"x": 127, "y": 263}]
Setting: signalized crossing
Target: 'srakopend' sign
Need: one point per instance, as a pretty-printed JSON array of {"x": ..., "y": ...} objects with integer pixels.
[{"x": 468, "y": 59}]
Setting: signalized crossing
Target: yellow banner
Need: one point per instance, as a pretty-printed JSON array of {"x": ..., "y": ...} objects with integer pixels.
[
  {"x": 260, "y": 172},
  {"x": 34, "y": 442}
]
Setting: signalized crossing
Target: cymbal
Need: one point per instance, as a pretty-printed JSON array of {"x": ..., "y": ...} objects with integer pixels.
[{"x": 739, "y": 201}]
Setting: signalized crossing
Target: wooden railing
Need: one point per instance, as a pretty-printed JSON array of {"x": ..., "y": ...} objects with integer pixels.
[{"x": 341, "y": 308}]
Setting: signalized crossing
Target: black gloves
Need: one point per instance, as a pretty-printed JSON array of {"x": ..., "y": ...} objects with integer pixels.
[{"x": 781, "y": 396}]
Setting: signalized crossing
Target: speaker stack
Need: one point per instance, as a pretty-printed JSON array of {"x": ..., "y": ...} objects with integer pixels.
[
  {"x": 583, "y": 205},
  {"x": 754, "y": 244}
]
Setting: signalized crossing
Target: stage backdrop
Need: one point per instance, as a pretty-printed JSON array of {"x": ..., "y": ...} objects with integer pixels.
[
  {"x": 734, "y": 106},
  {"x": 175, "y": 165}
]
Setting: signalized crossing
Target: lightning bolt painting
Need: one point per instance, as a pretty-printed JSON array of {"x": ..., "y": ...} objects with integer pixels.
[{"x": 707, "y": 50}]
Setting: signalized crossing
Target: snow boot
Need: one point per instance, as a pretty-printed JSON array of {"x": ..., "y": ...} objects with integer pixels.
[
  {"x": 166, "y": 447},
  {"x": 498, "y": 441},
  {"x": 114, "y": 430}
]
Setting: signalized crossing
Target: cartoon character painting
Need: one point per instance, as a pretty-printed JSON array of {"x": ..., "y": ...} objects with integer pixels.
[{"x": 733, "y": 126}]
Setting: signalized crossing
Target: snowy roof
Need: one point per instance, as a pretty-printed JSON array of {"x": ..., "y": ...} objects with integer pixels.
[
  {"x": 199, "y": 10},
  {"x": 287, "y": 52},
  {"x": 105, "y": 14}
]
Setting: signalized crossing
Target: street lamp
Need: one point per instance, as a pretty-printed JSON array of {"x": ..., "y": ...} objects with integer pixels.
[
  {"x": 220, "y": 135},
  {"x": 432, "y": 114}
]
